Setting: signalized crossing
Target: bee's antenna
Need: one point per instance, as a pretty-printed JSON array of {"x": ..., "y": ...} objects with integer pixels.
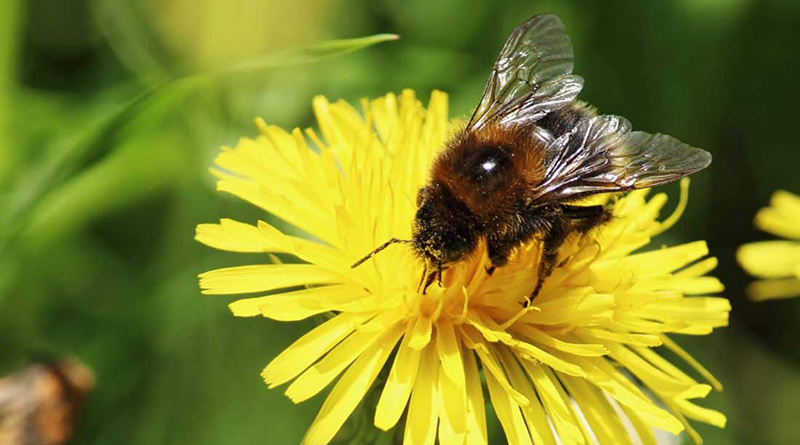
[{"x": 379, "y": 248}]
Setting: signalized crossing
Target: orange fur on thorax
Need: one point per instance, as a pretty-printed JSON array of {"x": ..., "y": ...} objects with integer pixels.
[{"x": 527, "y": 158}]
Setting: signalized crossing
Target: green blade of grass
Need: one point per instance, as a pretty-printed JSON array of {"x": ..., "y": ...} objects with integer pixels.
[
  {"x": 309, "y": 54},
  {"x": 141, "y": 168},
  {"x": 94, "y": 142},
  {"x": 91, "y": 141},
  {"x": 125, "y": 28}
]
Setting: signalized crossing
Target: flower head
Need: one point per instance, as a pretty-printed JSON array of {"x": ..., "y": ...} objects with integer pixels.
[
  {"x": 559, "y": 369},
  {"x": 776, "y": 262}
]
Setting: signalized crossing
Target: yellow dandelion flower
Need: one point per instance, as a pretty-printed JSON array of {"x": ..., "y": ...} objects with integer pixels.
[
  {"x": 580, "y": 364},
  {"x": 776, "y": 262}
]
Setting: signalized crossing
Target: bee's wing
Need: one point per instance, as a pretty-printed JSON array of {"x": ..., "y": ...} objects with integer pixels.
[
  {"x": 532, "y": 75},
  {"x": 602, "y": 155}
]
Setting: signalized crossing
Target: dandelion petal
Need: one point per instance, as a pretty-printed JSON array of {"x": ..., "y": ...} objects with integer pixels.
[
  {"x": 308, "y": 349},
  {"x": 351, "y": 388},
  {"x": 263, "y": 278},
  {"x": 422, "y": 416},
  {"x": 397, "y": 390}
]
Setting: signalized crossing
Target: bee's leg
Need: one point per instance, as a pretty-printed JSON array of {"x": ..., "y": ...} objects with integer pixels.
[
  {"x": 552, "y": 240},
  {"x": 422, "y": 280},
  {"x": 581, "y": 218},
  {"x": 501, "y": 243},
  {"x": 429, "y": 278},
  {"x": 500, "y": 249},
  {"x": 585, "y": 218}
]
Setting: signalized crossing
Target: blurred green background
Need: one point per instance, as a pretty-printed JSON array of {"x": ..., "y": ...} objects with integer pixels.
[{"x": 104, "y": 157}]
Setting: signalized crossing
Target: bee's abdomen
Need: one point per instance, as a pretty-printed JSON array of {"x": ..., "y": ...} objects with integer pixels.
[{"x": 564, "y": 119}]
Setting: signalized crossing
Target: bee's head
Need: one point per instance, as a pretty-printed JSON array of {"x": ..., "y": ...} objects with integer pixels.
[{"x": 445, "y": 230}]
